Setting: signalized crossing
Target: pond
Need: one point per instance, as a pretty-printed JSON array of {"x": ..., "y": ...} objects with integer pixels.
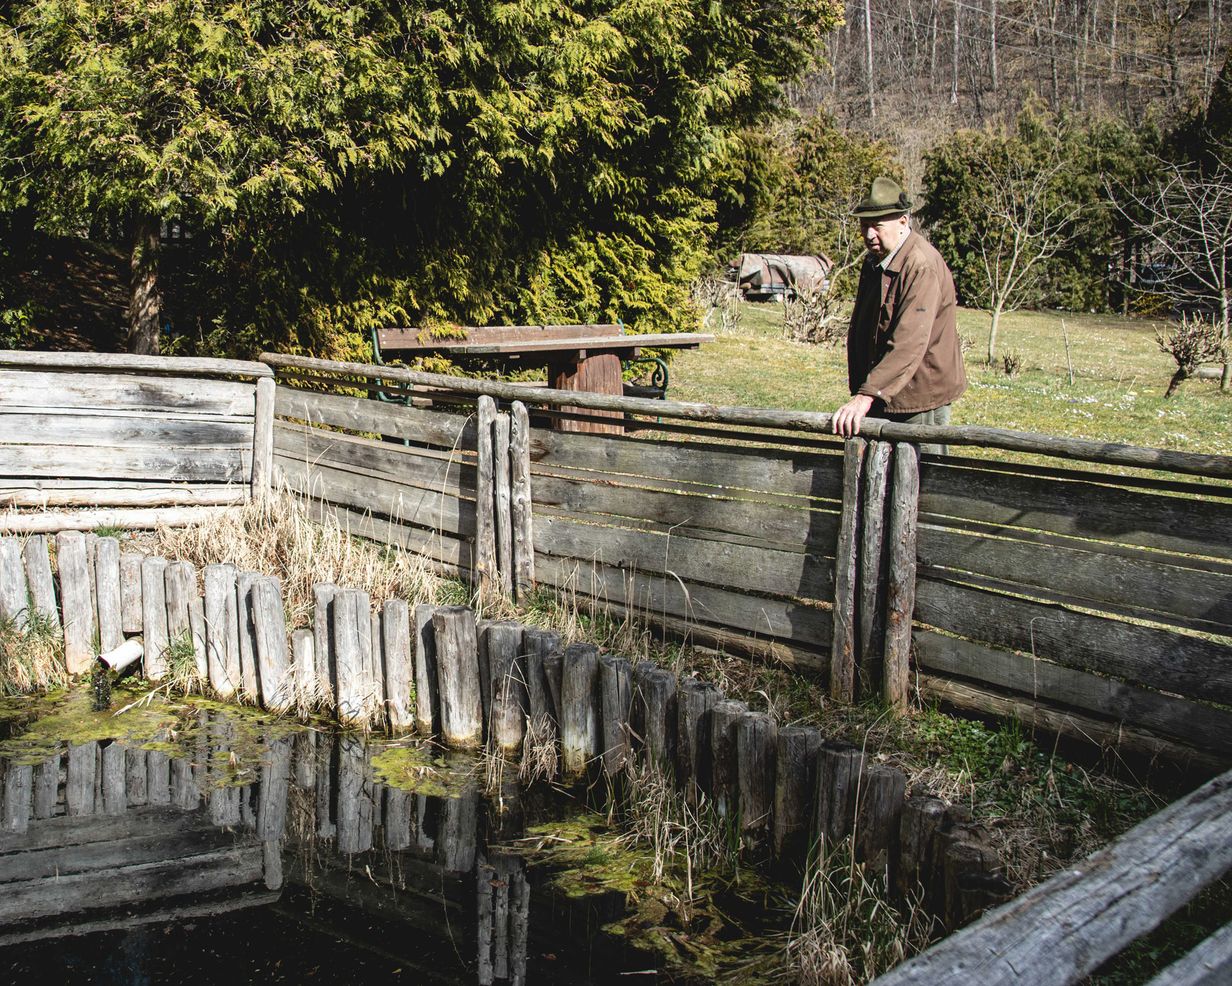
[{"x": 185, "y": 841}]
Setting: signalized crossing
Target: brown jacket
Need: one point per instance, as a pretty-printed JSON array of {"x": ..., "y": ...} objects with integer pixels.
[{"x": 902, "y": 345}]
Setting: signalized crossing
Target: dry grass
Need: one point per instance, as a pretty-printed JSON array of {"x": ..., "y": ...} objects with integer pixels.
[
  {"x": 31, "y": 659},
  {"x": 845, "y": 931},
  {"x": 278, "y": 535}
]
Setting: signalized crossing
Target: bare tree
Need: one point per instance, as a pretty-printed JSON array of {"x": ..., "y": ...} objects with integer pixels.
[
  {"x": 1191, "y": 342},
  {"x": 1185, "y": 225},
  {"x": 1022, "y": 222}
]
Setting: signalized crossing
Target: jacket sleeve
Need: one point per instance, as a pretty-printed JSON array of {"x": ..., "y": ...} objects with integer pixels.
[{"x": 915, "y": 312}]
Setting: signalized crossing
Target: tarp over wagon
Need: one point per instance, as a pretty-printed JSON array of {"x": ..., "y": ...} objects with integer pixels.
[{"x": 772, "y": 274}]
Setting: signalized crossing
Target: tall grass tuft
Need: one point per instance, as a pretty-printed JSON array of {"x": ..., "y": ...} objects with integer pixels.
[
  {"x": 845, "y": 931},
  {"x": 31, "y": 659},
  {"x": 182, "y": 678},
  {"x": 281, "y": 535}
]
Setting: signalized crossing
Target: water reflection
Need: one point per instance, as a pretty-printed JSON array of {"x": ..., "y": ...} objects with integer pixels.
[{"x": 302, "y": 866}]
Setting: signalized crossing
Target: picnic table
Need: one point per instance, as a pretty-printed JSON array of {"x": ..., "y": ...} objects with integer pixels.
[{"x": 577, "y": 357}]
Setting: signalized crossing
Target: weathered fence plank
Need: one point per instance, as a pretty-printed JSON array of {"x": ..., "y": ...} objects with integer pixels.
[
  {"x": 1209, "y": 964},
  {"x": 872, "y": 573},
  {"x": 449, "y": 431},
  {"x": 126, "y": 391},
  {"x": 521, "y": 499},
  {"x": 900, "y": 589},
  {"x": 1109, "y": 899},
  {"x": 843, "y": 655},
  {"x": 168, "y": 464},
  {"x": 502, "y": 490}
]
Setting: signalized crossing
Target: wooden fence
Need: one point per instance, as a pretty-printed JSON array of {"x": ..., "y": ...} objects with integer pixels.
[
  {"x": 1082, "y": 601},
  {"x": 147, "y": 438}
]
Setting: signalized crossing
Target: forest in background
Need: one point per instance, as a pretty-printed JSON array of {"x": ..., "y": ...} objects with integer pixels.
[{"x": 337, "y": 166}]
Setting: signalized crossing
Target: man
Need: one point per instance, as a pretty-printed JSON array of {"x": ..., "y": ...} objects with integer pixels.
[{"x": 904, "y": 360}]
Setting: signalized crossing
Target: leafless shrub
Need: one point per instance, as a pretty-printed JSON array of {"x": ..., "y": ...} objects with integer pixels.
[
  {"x": 1011, "y": 362},
  {"x": 1192, "y": 341},
  {"x": 813, "y": 316},
  {"x": 718, "y": 299}
]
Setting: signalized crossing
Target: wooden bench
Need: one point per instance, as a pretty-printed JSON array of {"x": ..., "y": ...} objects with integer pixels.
[{"x": 576, "y": 357}]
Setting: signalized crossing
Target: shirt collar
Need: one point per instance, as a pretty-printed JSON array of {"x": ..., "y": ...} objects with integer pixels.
[{"x": 885, "y": 264}]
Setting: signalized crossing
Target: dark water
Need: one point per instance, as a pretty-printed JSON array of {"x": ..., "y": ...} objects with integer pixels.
[{"x": 278, "y": 858}]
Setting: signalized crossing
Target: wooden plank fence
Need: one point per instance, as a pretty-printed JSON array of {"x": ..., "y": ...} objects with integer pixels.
[
  {"x": 1090, "y": 603},
  {"x": 148, "y": 439}
]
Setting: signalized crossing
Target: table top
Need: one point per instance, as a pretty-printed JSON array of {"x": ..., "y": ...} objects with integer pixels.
[{"x": 577, "y": 344}]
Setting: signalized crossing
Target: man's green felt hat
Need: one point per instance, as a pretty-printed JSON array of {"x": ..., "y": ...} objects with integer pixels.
[{"x": 884, "y": 199}]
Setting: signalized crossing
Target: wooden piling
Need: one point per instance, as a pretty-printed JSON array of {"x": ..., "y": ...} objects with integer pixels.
[
  {"x": 275, "y": 788},
  {"x": 615, "y": 701},
  {"x": 795, "y": 792},
  {"x": 399, "y": 672},
  {"x": 485, "y": 888},
  {"x": 878, "y": 818},
  {"x": 14, "y": 597},
  {"x": 520, "y": 499},
  {"x": 457, "y": 672},
  {"x": 900, "y": 593},
  {"x": 354, "y": 803},
  {"x": 304, "y": 672},
  {"x": 694, "y": 700},
  {"x": 274, "y": 663},
  {"x": 250, "y": 686},
  {"x": 18, "y": 796},
  {"x": 537, "y": 645},
  {"x": 579, "y": 717},
  {"x": 659, "y": 701},
  {"x": 222, "y": 632},
  {"x": 553, "y": 671},
  {"x": 870, "y": 603},
  {"x": 130, "y": 593},
  {"x": 456, "y": 832},
  {"x": 838, "y": 778},
  {"x": 76, "y": 601},
  {"x": 154, "y": 616},
  {"x": 108, "y": 594},
  {"x": 180, "y": 585},
  {"x": 323, "y": 641},
  {"x": 47, "y": 787},
  {"x": 397, "y": 818},
  {"x": 486, "y": 562},
  {"x": 724, "y": 774},
  {"x": 158, "y": 777},
  {"x": 918, "y": 873},
  {"x": 348, "y": 655},
  {"x": 504, "y": 508},
  {"x": 373, "y": 644},
  {"x": 114, "y": 776},
  {"x": 846, "y": 569},
  {"x": 40, "y": 581},
  {"x": 80, "y": 778},
  {"x": 756, "y": 745},
  {"x": 427, "y": 696},
  {"x": 502, "y": 642}
]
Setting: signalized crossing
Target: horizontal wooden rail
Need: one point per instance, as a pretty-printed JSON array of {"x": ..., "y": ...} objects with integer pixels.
[
  {"x": 169, "y": 365},
  {"x": 1109, "y": 453},
  {"x": 1065, "y": 928}
]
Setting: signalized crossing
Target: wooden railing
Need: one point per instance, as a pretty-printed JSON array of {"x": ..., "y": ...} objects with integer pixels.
[
  {"x": 1086, "y": 602},
  {"x": 147, "y": 438}
]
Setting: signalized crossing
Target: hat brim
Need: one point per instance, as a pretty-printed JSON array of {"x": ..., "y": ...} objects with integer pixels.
[{"x": 881, "y": 212}]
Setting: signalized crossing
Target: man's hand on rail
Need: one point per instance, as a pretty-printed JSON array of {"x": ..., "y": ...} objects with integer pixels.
[{"x": 849, "y": 417}]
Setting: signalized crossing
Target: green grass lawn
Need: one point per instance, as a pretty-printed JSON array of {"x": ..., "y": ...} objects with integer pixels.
[{"x": 1117, "y": 394}]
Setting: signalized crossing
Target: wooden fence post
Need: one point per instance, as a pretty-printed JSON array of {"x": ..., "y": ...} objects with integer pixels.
[
  {"x": 323, "y": 640},
  {"x": 694, "y": 700},
  {"x": 250, "y": 688},
  {"x": 843, "y": 647},
  {"x": 871, "y": 570},
  {"x": 108, "y": 594},
  {"x": 270, "y": 624},
  {"x": 486, "y": 563},
  {"x": 303, "y": 663},
  {"x": 154, "y": 616},
  {"x": 795, "y": 792},
  {"x": 900, "y": 596},
  {"x": 838, "y": 784},
  {"x": 659, "y": 725},
  {"x": 523, "y": 521},
  {"x": 263, "y": 438},
  {"x": 504, "y": 508},
  {"x": 507, "y": 671},
  {"x": 348, "y": 655},
  {"x": 756, "y": 745},
  {"x": 130, "y": 592}
]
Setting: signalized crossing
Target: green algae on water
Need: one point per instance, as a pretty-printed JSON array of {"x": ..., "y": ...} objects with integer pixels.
[{"x": 425, "y": 770}]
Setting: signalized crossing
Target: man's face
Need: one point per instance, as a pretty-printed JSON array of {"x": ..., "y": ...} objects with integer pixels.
[{"x": 881, "y": 236}]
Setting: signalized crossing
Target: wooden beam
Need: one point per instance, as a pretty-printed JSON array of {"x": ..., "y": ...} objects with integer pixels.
[
  {"x": 1215, "y": 466},
  {"x": 139, "y": 519},
  {"x": 1209, "y": 964},
  {"x": 170, "y": 366},
  {"x": 1065, "y": 928}
]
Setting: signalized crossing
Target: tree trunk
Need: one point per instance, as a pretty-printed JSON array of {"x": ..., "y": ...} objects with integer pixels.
[
  {"x": 145, "y": 303},
  {"x": 1177, "y": 377},
  {"x": 992, "y": 334}
]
